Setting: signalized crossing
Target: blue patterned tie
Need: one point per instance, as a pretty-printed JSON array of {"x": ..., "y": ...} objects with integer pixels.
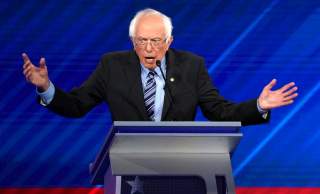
[{"x": 150, "y": 94}]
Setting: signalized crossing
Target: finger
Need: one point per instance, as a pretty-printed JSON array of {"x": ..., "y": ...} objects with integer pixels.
[
  {"x": 287, "y": 103},
  {"x": 286, "y": 87},
  {"x": 291, "y": 97},
  {"x": 271, "y": 84},
  {"x": 27, "y": 73},
  {"x": 28, "y": 68},
  {"x": 28, "y": 76},
  {"x": 42, "y": 62},
  {"x": 289, "y": 92},
  {"x": 25, "y": 65},
  {"x": 25, "y": 57}
]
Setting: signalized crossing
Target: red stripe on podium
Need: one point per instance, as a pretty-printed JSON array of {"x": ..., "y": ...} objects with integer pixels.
[{"x": 240, "y": 190}]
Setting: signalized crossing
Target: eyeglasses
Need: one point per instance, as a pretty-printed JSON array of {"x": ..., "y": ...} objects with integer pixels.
[{"x": 155, "y": 42}]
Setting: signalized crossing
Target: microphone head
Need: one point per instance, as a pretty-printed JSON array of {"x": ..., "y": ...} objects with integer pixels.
[{"x": 158, "y": 63}]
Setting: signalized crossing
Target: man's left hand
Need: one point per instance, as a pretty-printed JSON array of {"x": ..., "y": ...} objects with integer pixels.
[{"x": 269, "y": 99}]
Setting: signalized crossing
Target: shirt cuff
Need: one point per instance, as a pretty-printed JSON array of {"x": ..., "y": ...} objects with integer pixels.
[
  {"x": 46, "y": 96},
  {"x": 263, "y": 112}
]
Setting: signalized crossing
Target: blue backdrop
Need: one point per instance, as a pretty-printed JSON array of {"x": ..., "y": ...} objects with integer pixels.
[{"x": 246, "y": 43}]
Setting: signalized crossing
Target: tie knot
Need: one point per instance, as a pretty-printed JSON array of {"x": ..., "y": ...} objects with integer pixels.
[{"x": 151, "y": 74}]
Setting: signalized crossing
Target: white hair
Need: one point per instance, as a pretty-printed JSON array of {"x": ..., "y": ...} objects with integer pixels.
[{"x": 146, "y": 12}]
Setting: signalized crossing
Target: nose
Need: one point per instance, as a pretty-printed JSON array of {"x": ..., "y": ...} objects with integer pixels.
[{"x": 148, "y": 46}]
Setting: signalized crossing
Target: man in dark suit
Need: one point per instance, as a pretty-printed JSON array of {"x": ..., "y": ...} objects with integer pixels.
[
  {"x": 137, "y": 89},
  {"x": 121, "y": 77}
]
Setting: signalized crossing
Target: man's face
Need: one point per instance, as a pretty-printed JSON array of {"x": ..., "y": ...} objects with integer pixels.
[{"x": 150, "y": 41}]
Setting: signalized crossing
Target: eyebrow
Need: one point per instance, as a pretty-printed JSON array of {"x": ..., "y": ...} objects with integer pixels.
[{"x": 149, "y": 38}]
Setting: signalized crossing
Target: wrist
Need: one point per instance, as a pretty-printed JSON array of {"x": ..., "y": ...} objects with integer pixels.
[
  {"x": 261, "y": 108},
  {"x": 44, "y": 87}
]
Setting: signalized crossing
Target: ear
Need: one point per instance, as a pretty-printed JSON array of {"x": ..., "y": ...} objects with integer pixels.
[
  {"x": 170, "y": 40},
  {"x": 133, "y": 44}
]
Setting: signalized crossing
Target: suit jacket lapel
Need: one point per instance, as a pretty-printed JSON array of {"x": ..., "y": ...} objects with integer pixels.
[
  {"x": 135, "y": 94},
  {"x": 170, "y": 60}
]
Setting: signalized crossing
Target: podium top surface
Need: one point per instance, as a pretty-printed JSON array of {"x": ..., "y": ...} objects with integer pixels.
[
  {"x": 153, "y": 129},
  {"x": 178, "y": 123},
  {"x": 175, "y": 127}
]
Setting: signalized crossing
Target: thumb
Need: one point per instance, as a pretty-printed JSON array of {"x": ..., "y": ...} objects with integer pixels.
[
  {"x": 271, "y": 84},
  {"x": 42, "y": 63}
]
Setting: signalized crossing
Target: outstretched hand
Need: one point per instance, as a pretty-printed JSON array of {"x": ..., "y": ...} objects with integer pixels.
[
  {"x": 38, "y": 76},
  {"x": 269, "y": 99}
]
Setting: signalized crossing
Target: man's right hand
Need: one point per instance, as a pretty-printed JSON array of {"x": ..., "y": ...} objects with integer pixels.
[{"x": 38, "y": 76}]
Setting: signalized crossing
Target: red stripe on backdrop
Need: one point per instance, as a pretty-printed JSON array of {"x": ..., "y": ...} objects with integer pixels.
[
  {"x": 52, "y": 191},
  {"x": 240, "y": 190},
  {"x": 276, "y": 190}
]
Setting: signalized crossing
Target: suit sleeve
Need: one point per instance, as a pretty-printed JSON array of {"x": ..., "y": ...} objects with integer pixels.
[
  {"x": 216, "y": 108},
  {"x": 81, "y": 100}
]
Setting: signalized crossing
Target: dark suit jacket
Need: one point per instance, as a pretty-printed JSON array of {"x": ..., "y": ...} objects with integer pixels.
[{"x": 117, "y": 81}]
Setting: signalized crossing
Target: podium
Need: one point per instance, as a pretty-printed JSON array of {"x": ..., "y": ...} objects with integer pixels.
[{"x": 200, "y": 149}]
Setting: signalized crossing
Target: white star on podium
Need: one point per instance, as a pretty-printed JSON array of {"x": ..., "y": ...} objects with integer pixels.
[{"x": 136, "y": 185}]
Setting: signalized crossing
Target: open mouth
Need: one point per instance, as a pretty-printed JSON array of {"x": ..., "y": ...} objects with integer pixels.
[{"x": 149, "y": 57}]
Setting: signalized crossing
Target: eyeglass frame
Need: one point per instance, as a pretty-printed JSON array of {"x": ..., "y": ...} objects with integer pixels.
[{"x": 154, "y": 42}]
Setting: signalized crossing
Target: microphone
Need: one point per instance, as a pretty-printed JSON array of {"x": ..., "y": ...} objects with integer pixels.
[
  {"x": 166, "y": 87},
  {"x": 158, "y": 63}
]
